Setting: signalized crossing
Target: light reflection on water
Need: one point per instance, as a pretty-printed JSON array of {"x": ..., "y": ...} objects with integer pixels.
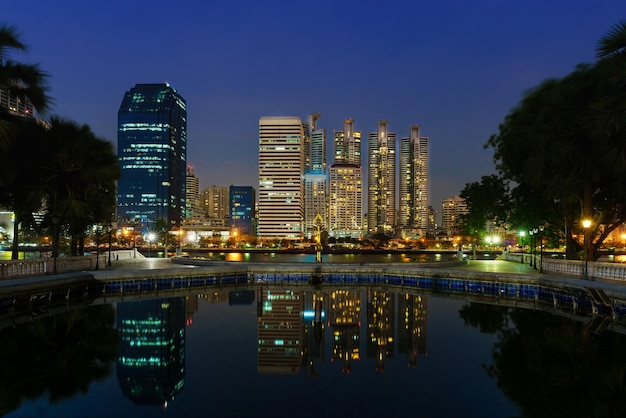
[
  {"x": 283, "y": 352},
  {"x": 287, "y": 350}
]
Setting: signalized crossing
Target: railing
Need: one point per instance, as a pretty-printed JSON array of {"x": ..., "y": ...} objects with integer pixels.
[
  {"x": 573, "y": 268},
  {"x": 11, "y": 269}
]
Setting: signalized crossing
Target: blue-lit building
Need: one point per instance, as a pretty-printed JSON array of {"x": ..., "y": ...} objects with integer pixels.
[
  {"x": 152, "y": 151},
  {"x": 242, "y": 209}
]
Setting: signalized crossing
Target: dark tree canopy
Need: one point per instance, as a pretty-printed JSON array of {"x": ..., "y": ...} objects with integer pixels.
[{"x": 565, "y": 145}]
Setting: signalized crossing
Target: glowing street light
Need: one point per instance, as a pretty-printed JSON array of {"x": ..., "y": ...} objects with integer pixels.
[
  {"x": 586, "y": 225},
  {"x": 150, "y": 237}
]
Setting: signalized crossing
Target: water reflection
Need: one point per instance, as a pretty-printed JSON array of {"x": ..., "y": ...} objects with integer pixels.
[
  {"x": 339, "y": 343},
  {"x": 151, "y": 357}
]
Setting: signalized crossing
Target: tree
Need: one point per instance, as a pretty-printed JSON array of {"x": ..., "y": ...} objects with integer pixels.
[
  {"x": 24, "y": 81},
  {"x": 487, "y": 201},
  {"x": 80, "y": 178},
  {"x": 565, "y": 144}
]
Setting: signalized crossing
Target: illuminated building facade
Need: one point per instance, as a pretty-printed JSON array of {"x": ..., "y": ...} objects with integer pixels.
[
  {"x": 451, "y": 210},
  {"x": 413, "y": 185},
  {"x": 242, "y": 209},
  {"x": 381, "y": 204},
  {"x": 280, "y": 331},
  {"x": 214, "y": 201},
  {"x": 345, "y": 214},
  {"x": 281, "y": 168},
  {"x": 16, "y": 105},
  {"x": 192, "y": 199},
  {"x": 315, "y": 177},
  {"x": 151, "y": 352},
  {"x": 345, "y": 217},
  {"x": 152, "y": 151}
]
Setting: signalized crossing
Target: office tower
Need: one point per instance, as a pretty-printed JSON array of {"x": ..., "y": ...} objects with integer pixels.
[
  {"x": 192, "y": 201},
  {"x": 381, "y": 197},
  {"x": 215, "y": 202},
  {"x": 451, "y": 210},
  {"x": 345, "y": 217},
  {"x": 413, "y": 185},
  {"x": 281, "y": 167},
  {"x": 152, "y": 150},
  {"x": 315, "y": 177},
  {"x": 242, "y": 210}
]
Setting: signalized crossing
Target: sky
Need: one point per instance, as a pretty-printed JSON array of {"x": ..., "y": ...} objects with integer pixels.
[{"x": 456, "y": 68}]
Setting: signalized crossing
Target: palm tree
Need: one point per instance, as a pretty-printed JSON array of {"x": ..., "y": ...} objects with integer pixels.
[
  {"x": 613, "y": 43},
  {"x": 24, "y": 81}
]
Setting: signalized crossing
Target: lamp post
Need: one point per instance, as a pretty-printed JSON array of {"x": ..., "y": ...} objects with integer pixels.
[
  {"x": 541, "y": 249},
  {"x": 97, "y": 247},
  {"x": 535, "y": 231},
  {"x": 110, "y": 227},
  {"x": 586, "y": 225},
  {"x": 522, "y": 234},
  {"x": 530, "y": 233},
  {"x": 55, "y": 242},
  {"x": 150, "y": 237}
]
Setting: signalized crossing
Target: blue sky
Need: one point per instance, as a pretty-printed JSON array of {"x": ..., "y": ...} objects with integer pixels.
[{"x": 454, "y": 67}]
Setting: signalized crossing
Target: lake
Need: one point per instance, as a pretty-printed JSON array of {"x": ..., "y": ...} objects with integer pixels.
[{"x": 276, "y": 351}]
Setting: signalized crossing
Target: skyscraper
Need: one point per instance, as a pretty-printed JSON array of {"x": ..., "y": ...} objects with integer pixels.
[
  {"x": 413, "y": 186},
  {"x": 381, "y": 197},
  {"x": 346, "y": 185},
  {"x": 242, "y": 209},
  {"x": 281, "y": 167},
  {"x": 315, "y": 177},
  {"x": 152, "y": 150},
  {"x": 192, "y": 189}
]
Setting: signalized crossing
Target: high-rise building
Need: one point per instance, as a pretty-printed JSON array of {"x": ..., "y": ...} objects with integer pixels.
[
  {"x": 15, "y": 104},
  {"x": 345, "y": 218},
  {"x": 192, "y": 200},
  {"x": 348, "y": 145},
  {"x": 242, "y": 210},
  {"x": 413, "y": 187},
  {"x": 381, "y": 197},
  {"x": 315, "y": 177},
  {"x": 215, "y": 203},
  {"x": 451, "y": 210},
  {"x": 281, "y": 168},
  {"x": 346, "y": 206},
  {"x": 152, "y": 150}
]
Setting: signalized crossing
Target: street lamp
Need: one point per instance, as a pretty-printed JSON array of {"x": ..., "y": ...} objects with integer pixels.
[
  {"x": 522, "y": 234},
  {"x": 55, "y": 242},
  {"x": 110, "y": 227},
  {"x": 150, "y": 238},
  {"x": 97, "y": 247},
  {"x": 535, "y": 231},
  {"x": 530, "y": 233},
  {"x": 586, "y": 225},
  {"x": 541, "y": 249}
]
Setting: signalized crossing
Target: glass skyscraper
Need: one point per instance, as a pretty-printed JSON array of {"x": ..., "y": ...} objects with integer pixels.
[{"x": 152, "y": 151}]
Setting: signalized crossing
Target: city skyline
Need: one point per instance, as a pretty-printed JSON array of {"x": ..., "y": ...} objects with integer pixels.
[{"x": 456, "y": 70}]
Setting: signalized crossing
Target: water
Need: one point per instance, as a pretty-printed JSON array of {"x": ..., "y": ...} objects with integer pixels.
[{"x": 275, "y": 351}]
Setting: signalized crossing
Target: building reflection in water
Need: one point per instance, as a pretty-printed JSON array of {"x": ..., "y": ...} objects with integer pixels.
[
  {"x": 291, "y": 333},
  {"x": 151, "y": 355},
  {"x": 344, "y": 316},
  {"x": 280, "y": 331}
]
